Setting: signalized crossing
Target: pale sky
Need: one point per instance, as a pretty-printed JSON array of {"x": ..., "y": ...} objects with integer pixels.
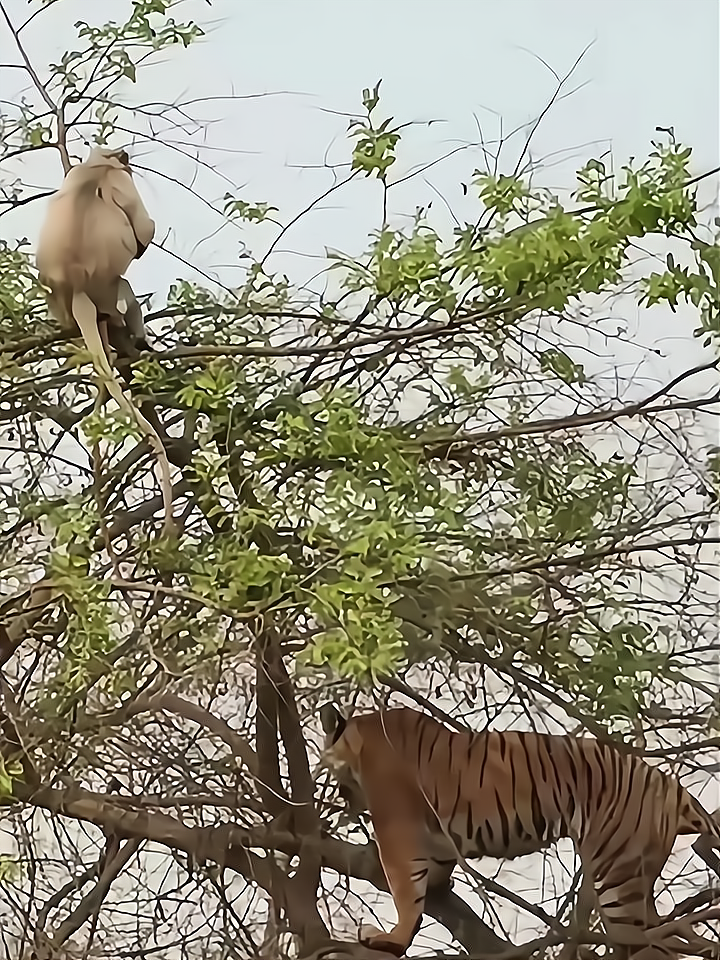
[{"x": 463, "y": 62}]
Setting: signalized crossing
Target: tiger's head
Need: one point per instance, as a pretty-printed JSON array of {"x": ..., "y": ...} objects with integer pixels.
[
  {"x": 341, "y": 754},
  {"x": 342, "y": 741}
]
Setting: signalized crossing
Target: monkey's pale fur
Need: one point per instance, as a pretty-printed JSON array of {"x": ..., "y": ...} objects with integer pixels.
[{"x": 96, "y": 225}]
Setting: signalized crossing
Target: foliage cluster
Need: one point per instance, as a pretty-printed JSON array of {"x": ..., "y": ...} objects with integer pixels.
[{"x": 411, "y": 481}]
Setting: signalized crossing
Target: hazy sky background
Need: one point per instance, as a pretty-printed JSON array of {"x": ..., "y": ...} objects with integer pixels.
[{"x": 290, "y": 72}]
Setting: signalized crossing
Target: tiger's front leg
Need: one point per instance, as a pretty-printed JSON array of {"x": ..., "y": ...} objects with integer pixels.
[{"x": 400, "y": 840}]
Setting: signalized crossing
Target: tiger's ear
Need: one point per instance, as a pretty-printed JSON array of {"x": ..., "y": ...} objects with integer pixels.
[{"x": 333, "y": 722}]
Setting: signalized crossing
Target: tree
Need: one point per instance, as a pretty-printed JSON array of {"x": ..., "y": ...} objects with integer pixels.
[{"x": 408, "y": 483}]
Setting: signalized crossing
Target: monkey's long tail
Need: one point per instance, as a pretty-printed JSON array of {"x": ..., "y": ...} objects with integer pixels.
[{"x": 85, "y": 314}]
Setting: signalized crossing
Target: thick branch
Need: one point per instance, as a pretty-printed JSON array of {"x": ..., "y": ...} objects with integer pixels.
[
  {"x": 201, "y": 843},
  {"x": 226, "y": 846},
  {"x": 303, "y": 812},
  {"x": 269, "y": 786},
  {"x": 172, "y": 703}
]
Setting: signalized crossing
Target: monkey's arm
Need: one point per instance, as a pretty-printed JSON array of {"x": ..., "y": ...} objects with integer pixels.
[{"x": 125, "y": 195}]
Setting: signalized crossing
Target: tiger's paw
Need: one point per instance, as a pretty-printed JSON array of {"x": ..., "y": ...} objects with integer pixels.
[{"x": 376, "y": 939}]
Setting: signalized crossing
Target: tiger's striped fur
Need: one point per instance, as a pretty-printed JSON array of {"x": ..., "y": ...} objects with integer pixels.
[{"x": 433, "y": 794}]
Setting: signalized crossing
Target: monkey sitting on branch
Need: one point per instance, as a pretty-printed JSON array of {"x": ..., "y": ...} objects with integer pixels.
[{"x": 96, "y": 225}]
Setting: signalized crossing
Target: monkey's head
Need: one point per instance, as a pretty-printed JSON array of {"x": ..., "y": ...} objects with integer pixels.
[{"x": 103, "y": 157}]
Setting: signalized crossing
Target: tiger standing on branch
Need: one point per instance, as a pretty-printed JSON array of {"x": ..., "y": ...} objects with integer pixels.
[{"x": 436, "y": 796}]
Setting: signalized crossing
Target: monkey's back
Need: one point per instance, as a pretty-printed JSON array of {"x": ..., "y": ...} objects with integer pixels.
[{"x": 87, "y": 241}]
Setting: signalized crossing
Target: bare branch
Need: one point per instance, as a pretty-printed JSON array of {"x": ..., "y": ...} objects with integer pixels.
[{"x": 42, "y": 90}]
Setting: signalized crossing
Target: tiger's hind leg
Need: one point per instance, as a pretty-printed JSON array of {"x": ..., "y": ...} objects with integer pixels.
[{"x": 624, "y": 883}]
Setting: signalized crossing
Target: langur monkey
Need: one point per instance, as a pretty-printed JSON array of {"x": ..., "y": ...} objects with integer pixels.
[{"x": 96, "y": 225}]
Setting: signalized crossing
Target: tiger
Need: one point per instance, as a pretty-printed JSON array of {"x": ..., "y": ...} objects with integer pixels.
[{"x": 436, "y": 796}]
